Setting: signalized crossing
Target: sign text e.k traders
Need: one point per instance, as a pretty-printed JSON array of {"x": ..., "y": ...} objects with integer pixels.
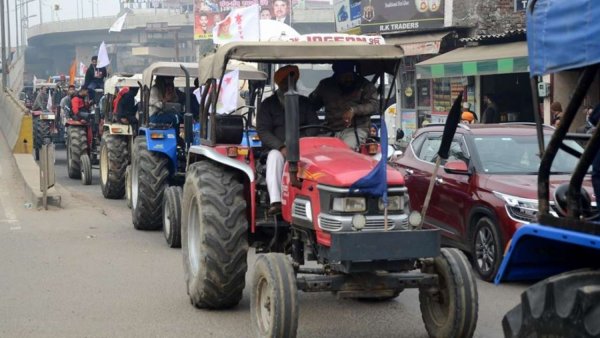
[{"x": 401, "y": 15}]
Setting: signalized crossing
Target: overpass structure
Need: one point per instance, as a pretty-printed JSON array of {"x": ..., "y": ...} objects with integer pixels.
[{"x": 148, "y": 35}]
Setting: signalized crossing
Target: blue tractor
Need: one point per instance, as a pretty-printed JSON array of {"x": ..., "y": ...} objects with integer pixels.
[
  {"x": 158, "y": 152},
  {"x": 563, "y": 248}
]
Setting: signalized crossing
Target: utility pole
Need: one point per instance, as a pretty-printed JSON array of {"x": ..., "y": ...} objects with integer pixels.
[
  {"x": 17, "y": 25},
  {"x": 8, "y": 26},
  {"x": 41, "y": 15},
  {"x": 4, "y": 68}
]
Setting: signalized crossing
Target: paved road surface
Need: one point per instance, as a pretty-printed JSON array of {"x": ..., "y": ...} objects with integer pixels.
[{"x": 84, "y": 271}]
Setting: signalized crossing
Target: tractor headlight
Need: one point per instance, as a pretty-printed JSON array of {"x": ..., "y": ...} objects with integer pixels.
[
  {"x": 415, "y": 218},
  {"x": 349, "y": 204},
  {"x": 395, "y": 203},
  {"x": 359, "y": 222},
  {"x": 520, "y": 209}
]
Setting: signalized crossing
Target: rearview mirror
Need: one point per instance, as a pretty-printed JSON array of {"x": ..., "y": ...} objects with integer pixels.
[{"x": 456, "y": 167}]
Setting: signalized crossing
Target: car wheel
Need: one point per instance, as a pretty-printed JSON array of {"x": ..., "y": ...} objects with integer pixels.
[{"x": 486, "y": 248}]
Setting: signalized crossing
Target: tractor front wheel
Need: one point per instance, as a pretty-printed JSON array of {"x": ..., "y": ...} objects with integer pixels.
[
  {"x": 214, "y": 235},
  {"x": 128, "y": 186},
  {"x": 114, "y": 158},
  {"x": 450, "y": 310},
  {"x": 41, "y": 132},
  {"x": 565, "y": 305},
  {"x": 274, "y": 297},
  {"x": 86, "y": 169},
  {"x": 172, "y": 216}
]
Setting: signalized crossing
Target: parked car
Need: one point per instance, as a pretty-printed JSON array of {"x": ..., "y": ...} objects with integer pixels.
[{"x": 487, "y": 187}]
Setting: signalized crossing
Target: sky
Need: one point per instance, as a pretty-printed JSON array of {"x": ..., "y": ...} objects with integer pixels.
[{"x": 68, "y": 10}]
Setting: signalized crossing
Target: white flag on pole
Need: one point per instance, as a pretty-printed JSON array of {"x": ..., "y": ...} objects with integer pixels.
[
  {"x": 82, "y": 69},
  {"x": 118, "y": 25},
  {"x": 103, "y": 59},
  {"x": 241, "y": 24},
  {"x": 228, "y": 96},
  {"x": 49, "y": 104},
  {"x": 34, "y": 82}
]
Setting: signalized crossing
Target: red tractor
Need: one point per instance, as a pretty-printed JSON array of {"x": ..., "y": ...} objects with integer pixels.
[
  {"x": 359, "y": 249},
  {"x": 83, "y": 141}
]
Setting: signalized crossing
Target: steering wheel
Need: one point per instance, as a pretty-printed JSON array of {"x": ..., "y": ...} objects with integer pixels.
[{"x": 318, "y": 127}]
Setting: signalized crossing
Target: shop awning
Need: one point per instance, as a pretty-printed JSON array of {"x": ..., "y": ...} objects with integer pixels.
[
  {"x": 481, "y": 60},
  {"x": 418, "y": 44}
]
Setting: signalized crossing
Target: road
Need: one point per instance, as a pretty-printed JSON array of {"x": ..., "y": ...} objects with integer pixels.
[{"x": 83, "y": 270}]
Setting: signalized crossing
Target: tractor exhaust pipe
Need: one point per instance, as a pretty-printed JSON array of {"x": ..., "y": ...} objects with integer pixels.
[
  {"x": 188, "y": 135},
  {"x": 292, "y": 131}
]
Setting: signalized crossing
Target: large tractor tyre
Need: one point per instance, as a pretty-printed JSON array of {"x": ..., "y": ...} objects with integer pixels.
[
  {"x": 214, "y": 232},
  {"x": 77, "y": 146},
  {"x": 41, "y": 131},
  {"x": 149, "y": 178},
  {"x": 274, "y": 297},
  {"x": 565, "y": 305},
  {"x": 86, "y": 169},
  {"x": 486, "y": 248},
  {"x": 128, "y": 192},
  {"x": 451, "y": 310},
  {"x": 114, "y": 158},
  {"x": 172, "y": 216}
]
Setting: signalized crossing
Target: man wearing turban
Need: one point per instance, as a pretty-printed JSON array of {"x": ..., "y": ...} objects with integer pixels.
[
  {"x": 270, "y": 125},
  {"x": 349, "y": 100}
]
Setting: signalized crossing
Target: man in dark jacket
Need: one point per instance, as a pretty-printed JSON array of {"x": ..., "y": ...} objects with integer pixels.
[
  {"x": 94, "y": 77},
  {"x": 491, "y": 113},
  {"x": 126, "y": 107},
  {"x": 270, "y": 125},
  {"x": 349, "y": 100}
]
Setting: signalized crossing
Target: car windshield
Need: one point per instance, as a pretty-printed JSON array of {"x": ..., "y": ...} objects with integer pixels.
[{"x": 502, "y": 154}]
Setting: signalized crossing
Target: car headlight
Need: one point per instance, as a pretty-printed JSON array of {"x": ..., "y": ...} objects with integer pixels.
[
  {"x": 521, "y": 209},
  {"x": 395, "y": 203},
  {"x": 349, "y": 204}
]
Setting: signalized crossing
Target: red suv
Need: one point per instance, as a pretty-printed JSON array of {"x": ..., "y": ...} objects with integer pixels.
[{"x": 487, "y": 187}]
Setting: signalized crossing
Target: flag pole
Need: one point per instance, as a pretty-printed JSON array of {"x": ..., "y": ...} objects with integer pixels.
[{"x": 438, "y": 162}]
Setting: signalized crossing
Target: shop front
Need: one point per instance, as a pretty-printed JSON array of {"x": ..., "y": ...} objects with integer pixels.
[{"x": 499, "y": 71}]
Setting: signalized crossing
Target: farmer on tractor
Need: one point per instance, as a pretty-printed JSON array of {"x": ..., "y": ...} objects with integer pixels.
[
  {"x": 349, "y": 100},
  {"x": 125, "y": 106},
  {"x": 162, "y": 93},
  {"x": 270, "y": 125},
  {"x": 41, "y": 100},
  {"x": 80, "y": 104}
]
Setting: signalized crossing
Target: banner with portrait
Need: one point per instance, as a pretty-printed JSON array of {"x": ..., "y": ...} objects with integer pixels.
[
  {"x": 388, "y": 16},
  {"x": 208, "y": 12}
]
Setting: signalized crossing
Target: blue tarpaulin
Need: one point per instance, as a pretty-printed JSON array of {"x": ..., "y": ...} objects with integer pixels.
[{"x": 562, "y": 34}]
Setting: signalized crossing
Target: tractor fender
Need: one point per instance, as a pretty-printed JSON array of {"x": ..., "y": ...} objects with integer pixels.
[
  {"x": 212, "y": 154},
  {"x": 166, "y": 145}
]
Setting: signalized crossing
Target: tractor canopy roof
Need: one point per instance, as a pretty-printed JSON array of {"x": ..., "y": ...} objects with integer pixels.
[
  {"x": 122, "y": 80},
  {"x": 562, "y": 35},
  {"x": 371, "y": 58},
  {"x": 168, "y": 69},
  {"x": 248, "y": 71}
]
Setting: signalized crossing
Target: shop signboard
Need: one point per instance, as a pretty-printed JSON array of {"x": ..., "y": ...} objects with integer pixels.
[
  {"x": 208, "y": 12},
  {"x": 338, "y": 37},
  {"x": 520, "y": 5},
  {"x": 389, "y": 16},
  {"x": 439, "y": 117},
  {"x": 347, "y": 15},
  {"x": 409, "y": 123}
]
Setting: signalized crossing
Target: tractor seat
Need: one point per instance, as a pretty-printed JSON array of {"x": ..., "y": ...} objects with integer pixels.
[{"x": 229, "y": 129}]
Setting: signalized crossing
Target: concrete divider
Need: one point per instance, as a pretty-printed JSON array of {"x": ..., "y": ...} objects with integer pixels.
[{"x": 13, "y": 113}]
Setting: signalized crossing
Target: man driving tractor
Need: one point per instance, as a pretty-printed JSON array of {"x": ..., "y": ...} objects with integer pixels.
[{"x": 270, "y": 125}]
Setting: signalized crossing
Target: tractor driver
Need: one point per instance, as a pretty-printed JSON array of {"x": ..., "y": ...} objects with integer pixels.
[
  {"x": 65, "y": 102},
  {"x": 163, "y": 92},
  {"x": 349, "y": 100},
  {"x": 80, "y": 104},
  {"x": 41, "y": 100},
  {"x": 126, "y": 108},
  {"x": 270, "y": 125}
]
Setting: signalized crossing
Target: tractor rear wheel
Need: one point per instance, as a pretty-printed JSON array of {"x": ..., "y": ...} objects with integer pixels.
[
  {"x": 76, "y": 146},
  {"x": 565, "y": 305},
  {"x": 172, "y": 216},
  {"x": 41, "y": 131},
  {"x": 86, "y": 169},
  {"x": 451, "y": 309},
  {"x": 114, "y": 158},
  {"x": 274, "y": 297},
  {"x": 214, "y": 235},
  {"x": 149, "y": 178}
]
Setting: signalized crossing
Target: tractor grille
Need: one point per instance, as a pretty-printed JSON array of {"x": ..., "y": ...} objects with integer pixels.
[
  {"x": 299, "y": 209},
  {"x": 329, "y": 224}
]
